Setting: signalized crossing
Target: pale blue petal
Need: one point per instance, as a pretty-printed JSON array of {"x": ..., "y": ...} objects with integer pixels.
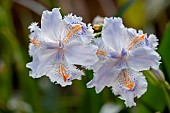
[
  {"x": 119, "y": 87},
  {"x": 153, "y": 41},
  {"x": 75, "y": 73},
  {"x": 52, "y": 45},
  {"x": 34, "y": 28},
  {"x": 55, "y": 78},
  {"x": 72, "y": 19},
  {"x": 42, "y": 62},
  {"x": 51, "y": 25},
  {"x": 33, "y": 65},
  {"x": 128, "y": 98},
  {"x": 140, "y": 32},
  {"x": 104, "y": 75},
  {"x": 143, "y": 59},
  {"x": 71, "y": 70},
  {"x": 114, "y": 34},
  {"x": 132, "y": 32},
  {"x": 86, "y": 32},
  {"x": 32, "y": 49},
  {"x": 80, "y": 54}
]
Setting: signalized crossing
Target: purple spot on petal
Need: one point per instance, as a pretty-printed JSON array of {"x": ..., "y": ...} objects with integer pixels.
[
  {"x": 147, "y": 41},
  {"x": 123, "y": 53},
  {"x": 51, "y": 45},
  {"x": 121, "y": 63},
  {"x": 58, "y": 56},
  {"x": 113, "y": 55}
]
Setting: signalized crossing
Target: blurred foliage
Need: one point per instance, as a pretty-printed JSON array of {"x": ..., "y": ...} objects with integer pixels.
[
  {"x": 163, "y": 49},
  {"x": 135, "y": 15},
  {"x": 19, "y": 93}
]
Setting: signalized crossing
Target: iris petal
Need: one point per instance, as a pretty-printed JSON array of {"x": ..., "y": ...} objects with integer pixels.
[
  {"x": 104, "y": 75},
  {"x": 143, "y": 59},
  {"x": 126, "y": 91},
  {"x": 78, "y": 53},
  {"x": 51, "y": 25},
  {"x": 114, "y": 34}
]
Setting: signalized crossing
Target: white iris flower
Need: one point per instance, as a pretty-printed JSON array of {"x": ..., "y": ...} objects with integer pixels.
[
  {"x": 116, "y": 58},
  {"x": 125, "y": 53},
  {"x": 60, "y": 44}
]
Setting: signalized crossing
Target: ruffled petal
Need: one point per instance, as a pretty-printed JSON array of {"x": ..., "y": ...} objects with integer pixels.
[
  {"x": 42, "y": 62},
  {"x": 152, "y": 41},
  {"x": 129, "y": 84},
  {"x": 33, "y": 49},
  {"x": 51, "y": 25},
  {"x": 75, "y": 28},
  {"x": 132, "y": 32},
  {"x": 63, "y": 73},
  {"x": 87, "y": 34},
  {"x": 33, "y": 65},
  {"x": 34, "y": 28},
  {"x": 72, "y": 19},
  {"x": 143, "y": 59},
  {"x": 114, "y": 34},
  {"x": 80, "y": 54},
  {"x": 136, "y": 39},
  {"x": 35, "y": 39},
  {"x": 104, "y": 75}
]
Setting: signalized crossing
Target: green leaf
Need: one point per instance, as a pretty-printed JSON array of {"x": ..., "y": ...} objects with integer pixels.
[
  {"x": 5, "y": 73},
  {"x": 156, "y": 97},
  {"x": 164, "y": 52}
]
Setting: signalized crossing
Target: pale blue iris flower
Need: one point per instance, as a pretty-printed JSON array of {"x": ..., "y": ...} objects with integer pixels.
[
  {"x": 59, "y": 45},
  {"x": 116, "y": 58},
  {"x": 125, "y": 53}
]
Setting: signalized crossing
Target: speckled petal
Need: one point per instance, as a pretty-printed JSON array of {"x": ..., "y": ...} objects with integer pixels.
[
  {"x": 71, "y": 72},
  {"x": 130, "y": 84},
  {"x": 81, "y": 32}
]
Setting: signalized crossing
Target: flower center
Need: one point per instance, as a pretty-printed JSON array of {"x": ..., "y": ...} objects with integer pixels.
[{"x": 73, "y": 30}]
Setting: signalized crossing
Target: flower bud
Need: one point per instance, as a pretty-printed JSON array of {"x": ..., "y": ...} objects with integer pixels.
[
  {"x": 159, "y": 74},
  {"x": 98, "y": 20}
]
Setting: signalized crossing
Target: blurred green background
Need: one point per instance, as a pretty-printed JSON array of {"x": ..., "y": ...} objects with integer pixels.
[{"x": 20, "y": 93}]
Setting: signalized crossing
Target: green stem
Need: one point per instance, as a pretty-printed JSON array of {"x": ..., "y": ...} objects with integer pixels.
[{"x": 167, "y": 98}]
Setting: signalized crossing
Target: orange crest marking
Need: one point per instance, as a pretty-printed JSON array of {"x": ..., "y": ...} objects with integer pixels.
[
  {"x": 36, "y": 42},
  {"x": 135, "y": 41},
  {"x": 62, "y": 72},
  {"x": 127, "y": 82},
  {"x": 76, "y": 28},
  {"x": 101, "y": 52}
]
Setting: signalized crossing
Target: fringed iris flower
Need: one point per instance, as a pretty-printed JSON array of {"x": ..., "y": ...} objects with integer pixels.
[
  {"x": 117, "y": 57},
  {"x": 59, "y": 45},
  {"x": 125, "y": 53}
]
